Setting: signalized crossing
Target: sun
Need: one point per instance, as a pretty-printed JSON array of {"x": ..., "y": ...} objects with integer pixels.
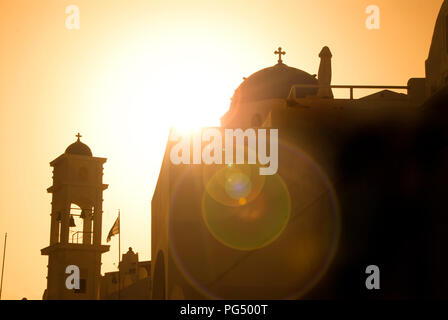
[{"x": 187, "y": 96}]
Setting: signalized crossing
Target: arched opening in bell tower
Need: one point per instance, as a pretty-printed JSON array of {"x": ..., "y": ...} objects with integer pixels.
[{"x": 80, "y": 224}]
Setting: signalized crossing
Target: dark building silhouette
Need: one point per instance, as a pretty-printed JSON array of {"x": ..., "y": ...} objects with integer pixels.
[
  {"x": 134, "y": 278},
  {"x": 76, "y": 232},
  {"x": 77, "y": 197},
  {"x": 360, "y": 182}
]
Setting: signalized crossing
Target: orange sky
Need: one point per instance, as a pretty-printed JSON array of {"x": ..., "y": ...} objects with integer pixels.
[{"x": 134, "y": 68}]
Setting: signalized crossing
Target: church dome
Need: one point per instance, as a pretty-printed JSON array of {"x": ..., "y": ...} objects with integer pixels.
[
  {"x": 275, "y": 83},
  {"x": 79, "y": 148}
]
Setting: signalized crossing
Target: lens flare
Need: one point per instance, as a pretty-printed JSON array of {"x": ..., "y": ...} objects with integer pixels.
[
  {"x": 238, "y": 186},
  {"x": 230, "y": 183},
  {"x": 272, "y": 237},
  {"x": 246, "y": 221}
]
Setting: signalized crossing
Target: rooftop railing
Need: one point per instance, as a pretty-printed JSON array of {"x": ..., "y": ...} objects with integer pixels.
[{"x": 351, "y": 87}]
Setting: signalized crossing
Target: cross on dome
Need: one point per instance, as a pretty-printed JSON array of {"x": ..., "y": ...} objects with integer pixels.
[{"x": 280, "y": 53}]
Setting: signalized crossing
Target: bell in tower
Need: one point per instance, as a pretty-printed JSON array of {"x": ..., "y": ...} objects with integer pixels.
[{"x": 76, "y": 217}]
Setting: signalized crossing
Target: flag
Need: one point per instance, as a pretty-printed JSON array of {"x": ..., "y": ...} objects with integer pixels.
[{"x": 115, "y": 229}]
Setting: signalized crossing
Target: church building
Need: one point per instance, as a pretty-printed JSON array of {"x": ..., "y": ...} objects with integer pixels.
[
  {"x": 76, "y": 231},
  {"x": 76, "y": 223},
  {"x": 350, "y": 191},
  {"x": 360, "y": 182}
]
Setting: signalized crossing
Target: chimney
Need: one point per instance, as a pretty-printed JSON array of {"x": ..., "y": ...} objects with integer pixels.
[{"x": 324, "y": 75}]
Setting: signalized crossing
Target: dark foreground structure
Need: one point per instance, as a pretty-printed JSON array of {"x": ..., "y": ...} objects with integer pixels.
[{"x": 360, "y": 182}]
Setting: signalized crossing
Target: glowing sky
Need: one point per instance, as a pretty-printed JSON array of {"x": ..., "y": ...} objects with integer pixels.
[{"x": 136, "y": 67}]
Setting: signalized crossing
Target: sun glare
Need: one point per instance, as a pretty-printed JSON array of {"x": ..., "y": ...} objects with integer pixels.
[{"x": 188, "y": 92}]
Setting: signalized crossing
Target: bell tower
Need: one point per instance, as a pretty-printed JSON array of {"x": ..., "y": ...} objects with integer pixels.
[{"x": 76, "y": 216}]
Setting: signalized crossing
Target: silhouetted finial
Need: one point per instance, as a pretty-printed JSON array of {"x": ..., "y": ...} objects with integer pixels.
[
  {"x": 78, "y": 136},
  {"x": 325, "y": 53},
  {"x": 280, "y": 53}
]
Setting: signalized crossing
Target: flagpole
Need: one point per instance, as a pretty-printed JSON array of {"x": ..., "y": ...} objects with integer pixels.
[
  {"x": 3, "y": 265},
  {"x": 119, "y": 251}
]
